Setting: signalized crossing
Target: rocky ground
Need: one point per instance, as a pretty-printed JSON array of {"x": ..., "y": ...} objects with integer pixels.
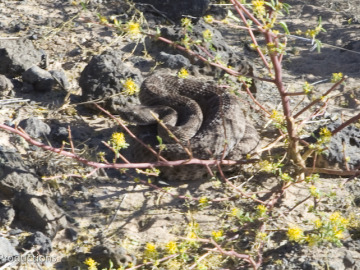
[{"x": 55, "y": 57}]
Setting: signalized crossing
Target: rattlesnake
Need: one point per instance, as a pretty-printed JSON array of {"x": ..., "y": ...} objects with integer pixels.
[{"x": 200, "y": 114}]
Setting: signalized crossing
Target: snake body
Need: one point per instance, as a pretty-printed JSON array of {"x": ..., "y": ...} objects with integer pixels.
[{"x": 204, "y": 117}]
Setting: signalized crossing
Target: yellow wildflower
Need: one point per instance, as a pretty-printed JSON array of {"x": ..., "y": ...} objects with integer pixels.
[
  {"x": 203, "y": 201},
  {"x": 318, "y": 223},
  {"x": 307, "y": 88},
  {"x": 314, "y": 192},
  {"x": 325, "y": 135},
  {"x": 225, "y": 21},
  {"x": 343, "y": 221},
  {"x": 193, "y": 225},
  {"x": 334, "y": 217},
  {"x": 267, "y": 166},
  {"x": 261, "y": 236},
  {"x": 338, "y": 233},
  {"x": 259, "y": 7},
  {"x": 336, "y": 77},
  {"x": 311, "y": 240},
  {"x": 276, "y": 32},
  {"x": 130, "y": 87},
  {"x": 286, "y": 177},
  {"x": 209, "y": 19},
  {"x": 91, "y": 264},
  {"x": 235, "y": 212},
  {"x": 191, "y": 235},
  {"x": 133, "y": 29},
  {"x": 118, "y": 140},
  {"x": 217, "y": 235},
  {"x": 150, "y": 251},
  {"x": 183, "y": 73},
  {"x": 261, "y": 210},
  {"x": 277, "y": 117},
  {"x": 311, "y": 33},
  {"x": 171, "y": 247},
  {"x": 295, "y": 234},
  {"x": 103, "y": 20},
  {"x": 186, "y": 23},
  {"x": 207, "y": 35}
]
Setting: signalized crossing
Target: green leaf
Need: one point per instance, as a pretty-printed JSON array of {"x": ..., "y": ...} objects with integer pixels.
[
  {"x": 159, "y": 140},
  {"x": 285, "y": 27}
]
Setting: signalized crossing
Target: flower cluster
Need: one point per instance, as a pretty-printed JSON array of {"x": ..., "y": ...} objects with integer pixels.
[
  {"x": 150, "y": 251},
  {"x": 118, "y": 141},
  {"x": 326, "y": 229},
  {"x": 91, "y": 264},
  {"x": 130, "y": 87},
  {"x": 183, "y": 73}
]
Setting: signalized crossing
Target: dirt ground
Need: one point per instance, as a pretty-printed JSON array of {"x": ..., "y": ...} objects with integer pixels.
[{"x": 111, "y": 209}]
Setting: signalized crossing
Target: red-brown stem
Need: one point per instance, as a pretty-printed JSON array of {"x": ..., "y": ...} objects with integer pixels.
[
  {"x": 121, "y": 166},
  {"x": 236, "y": 3},
  {"x": 70, "y": 140},
  {"x": 254, "y": 99},
  {"x": 346, "y": 123},
  {"x": 240, "y": 9},
  {"x": 129, "y": 132},
  {"x": 319, "y": 99},
  {"x": 116, "y": 153}
]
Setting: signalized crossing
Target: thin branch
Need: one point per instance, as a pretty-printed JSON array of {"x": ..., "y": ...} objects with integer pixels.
[
  {"x": 345, "y": 124},
  {"x": 319, "y": 99}
]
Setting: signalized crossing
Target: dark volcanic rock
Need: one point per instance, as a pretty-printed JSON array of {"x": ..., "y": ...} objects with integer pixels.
[
  {"x": 71, "y": 234},
  {"x": 35, "y": 127},
  {"x": 102, "y": 254},
  {"x": 104, "y": 77},
  {"x": 16, "y": 56},
  {"x": 7, "y": 215},
  {"x": 14, "y": 175},
  {"x": 5, "y": 85},
  {"x": 39, "y": 78},
  {"x": 38, "y": 239},
  {"x": 173, "y": 61},
  {"x": 343, "y": 145},
  {"x": 175, "y": 10},
  {"x": 39, "y": 212},
  {"x": 61, "y": 78}
]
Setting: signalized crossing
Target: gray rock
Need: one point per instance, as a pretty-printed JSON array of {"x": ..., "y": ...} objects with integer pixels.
[
  {"x": 7, "y": 251},
  {"x": 174, "y": 10},
  {"x": 6, "y": 86},
  {"x": 14, "y": 175},
  {"x": 61, "y": 78},
  {"x": 348, "y": 260},
  {"x": 103, "y": 77},
  {"x": 16, "y": 56},
  {"x": 173, "y": 61},
  {"x": 349, "y": 137},
  {"x": 336, "y": 266},
  {"x": 40, "y": 79},
  {"x": 35, "y": 127},
  {"x": 40, "y": 212},
  {"x": 7, "y": 215},
  {"x": 144, "y": 65},
  {"x": 71, "y": 234},
  {"x": 118, "y": 255},
  {"x": 38, "y": 239}
]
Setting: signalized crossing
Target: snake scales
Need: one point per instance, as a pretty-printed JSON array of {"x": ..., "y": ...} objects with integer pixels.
[{"x": 201, "y": 115}]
